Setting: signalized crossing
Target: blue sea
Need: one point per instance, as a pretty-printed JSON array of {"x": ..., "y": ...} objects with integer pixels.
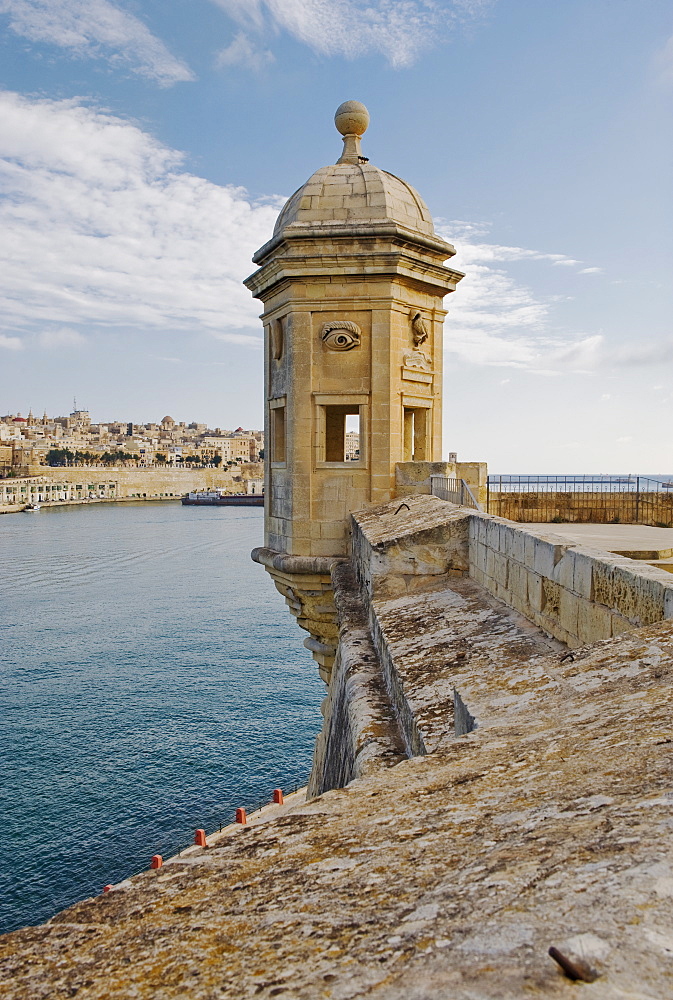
[{"x": 152, "y": 680}]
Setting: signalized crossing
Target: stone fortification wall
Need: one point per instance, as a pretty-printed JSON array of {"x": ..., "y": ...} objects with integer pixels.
[
  {"x": 361, "y": 732},
  {"x": 82, "y": 484},
  {"x": 577, "y": 594},
  {"x": 155, "y": 482},
  {"x": 538, "y": 816},
  {"x": 402, "y": 553},
  {"x": 593, "y": 508},
  {"x": 414, "y": 478}
]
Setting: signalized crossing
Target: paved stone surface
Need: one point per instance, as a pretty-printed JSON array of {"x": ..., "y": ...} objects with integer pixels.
[
  {"x": 447, "y": 876},
  {"x": 639, "y": 539}
]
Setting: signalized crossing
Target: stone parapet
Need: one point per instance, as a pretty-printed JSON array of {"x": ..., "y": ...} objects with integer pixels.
[
  {"x": 575, "y": 593},
  {"x": 627, "y": 507}
]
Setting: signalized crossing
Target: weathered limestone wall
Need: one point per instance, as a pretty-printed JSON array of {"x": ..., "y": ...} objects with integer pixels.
[
  {"x": 592, "y": 508},
  {"x": 437, "y": 565},
  {"x": 361, "y": 732},
  {"x": 574, "y": 593},
  {"x": 397, "y": 546},
  {"x": 150, "y": 482},
  {"x": 413, "y": 478}
]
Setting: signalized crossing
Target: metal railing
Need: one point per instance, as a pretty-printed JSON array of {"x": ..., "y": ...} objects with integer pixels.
[
  {"x": 598, "y": 499},
  {"x": 453, "y": 490}
]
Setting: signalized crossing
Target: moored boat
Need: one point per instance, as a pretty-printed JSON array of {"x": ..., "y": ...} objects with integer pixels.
[{"x": 218, "y": 498}]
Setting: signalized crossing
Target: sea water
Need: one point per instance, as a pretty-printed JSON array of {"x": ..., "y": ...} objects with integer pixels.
[{"x": 151, "y": 681}]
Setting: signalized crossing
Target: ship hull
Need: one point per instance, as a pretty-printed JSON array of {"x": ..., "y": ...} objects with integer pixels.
[{"x": 240, "y": 500}]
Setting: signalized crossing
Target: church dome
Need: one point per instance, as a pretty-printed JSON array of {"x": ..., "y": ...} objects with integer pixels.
[{"x": 353, "y": 191}]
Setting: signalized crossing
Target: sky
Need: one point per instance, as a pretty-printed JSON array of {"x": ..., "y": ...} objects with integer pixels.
[{"x": 146, "y": 147}]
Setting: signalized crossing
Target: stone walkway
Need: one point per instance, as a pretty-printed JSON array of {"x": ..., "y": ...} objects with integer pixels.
[{"x": 637, "y": 541}]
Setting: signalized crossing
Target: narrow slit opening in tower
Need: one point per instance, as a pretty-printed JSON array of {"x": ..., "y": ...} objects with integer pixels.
[
  {"x": 278, "y": 434},
  {"x": 415, "y": 434}
]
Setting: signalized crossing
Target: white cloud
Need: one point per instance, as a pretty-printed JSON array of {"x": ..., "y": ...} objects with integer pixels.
[
  {"x": 10, "y": 343},
  {"x": 591, "y": 270},
  {"x": 96, "y": 28},
  {"x": 244, "y": 52},
  {"x": 102, "y": 228},
  {"x": 493, "y": 319},
  {"x": 62, "y": 337},
  {"x": 496, "y": 320},
  {"x": 664, "y": 62},
  {"x": 399, "y": 29}
]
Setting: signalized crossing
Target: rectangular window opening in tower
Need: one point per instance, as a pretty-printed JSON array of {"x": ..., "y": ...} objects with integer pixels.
[{"x": 337, "y": 420}]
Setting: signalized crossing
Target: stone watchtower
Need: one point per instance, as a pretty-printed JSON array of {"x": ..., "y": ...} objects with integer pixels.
[{"x": 352, "y": 281}]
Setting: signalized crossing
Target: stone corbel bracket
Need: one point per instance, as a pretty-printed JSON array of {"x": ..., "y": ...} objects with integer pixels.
[{"x": 306, "y": 584}]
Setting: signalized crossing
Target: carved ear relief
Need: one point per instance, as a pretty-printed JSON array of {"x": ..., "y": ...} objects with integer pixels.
[
  {"x": 419, "y": 330},
  {"x": 340, "y": 335},
  {"x": 276, "y": 339}
]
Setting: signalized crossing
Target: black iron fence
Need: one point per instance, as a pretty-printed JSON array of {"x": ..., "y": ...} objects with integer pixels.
[{"x": 594, "y": 499}]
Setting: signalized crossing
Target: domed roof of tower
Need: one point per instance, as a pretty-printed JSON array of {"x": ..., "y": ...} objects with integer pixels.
[{"x": 353, "y": 191}]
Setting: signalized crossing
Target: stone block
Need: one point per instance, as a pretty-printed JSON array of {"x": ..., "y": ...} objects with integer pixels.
[
  {"x": 530, "y": 544},
  {"x": 546, "y": 556},
  {"x": 619, "y": 624},
  {"x": 493, "y": 535},
  {"x": 333, "y": 529},
  {"x": 584, "y": 561},
  {"x": 505, "y": 540},
  {"x": 668, "y": 603},
  {"x": 518, "y": 545},
  {"x": 501, "y": 568},
  {"x": 534, "y": 590},
  {"x": 518, "y": 582},
  {"x": 480, "y": 526},
  {"x": 594, "y": 622},
  {"x": 520, "y": 604},
  {"x": 478, "y": 555},
  {"x": 568, "y": 612},
  {"x": 551, "y": 598},
  {"x": 564, "y": 570}
]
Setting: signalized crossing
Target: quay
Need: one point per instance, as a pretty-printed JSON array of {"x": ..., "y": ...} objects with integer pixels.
[{"x": 58, "y": 486}]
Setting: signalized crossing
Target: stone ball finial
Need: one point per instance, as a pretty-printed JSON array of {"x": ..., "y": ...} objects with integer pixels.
[{"x": 351, "y": 118}]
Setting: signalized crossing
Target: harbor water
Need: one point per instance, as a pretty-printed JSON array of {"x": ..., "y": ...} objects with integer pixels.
[{"x": 152, "y": 681}]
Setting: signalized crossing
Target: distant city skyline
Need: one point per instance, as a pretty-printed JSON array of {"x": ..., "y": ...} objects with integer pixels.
[
  {"x": 76, "y": 407},
  {"x": 146, "y": 148}
]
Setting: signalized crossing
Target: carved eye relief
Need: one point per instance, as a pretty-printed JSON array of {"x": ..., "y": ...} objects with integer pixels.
[{"x": 340, "y": 335}]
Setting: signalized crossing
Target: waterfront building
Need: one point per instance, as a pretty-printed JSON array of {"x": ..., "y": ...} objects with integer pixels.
[{"x": 96, "y": 445}]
